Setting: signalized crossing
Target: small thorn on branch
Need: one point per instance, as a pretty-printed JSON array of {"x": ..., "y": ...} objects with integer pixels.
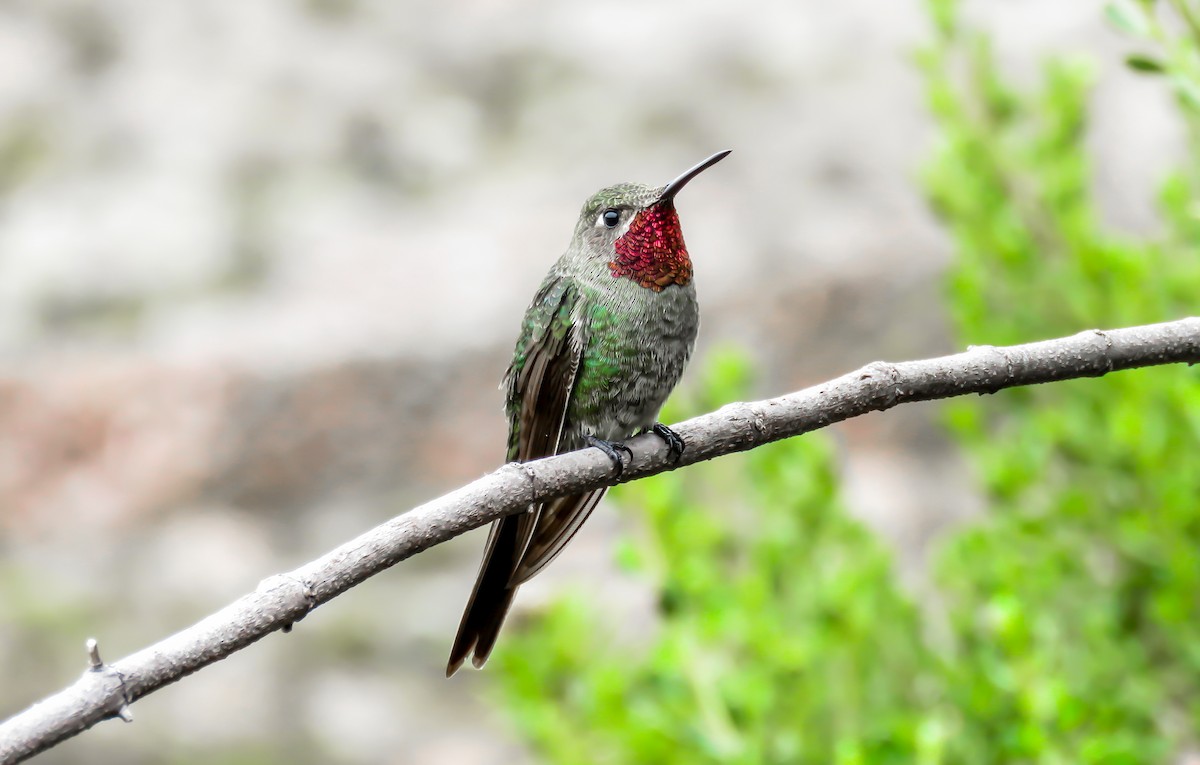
[
  {"x": 93, "y": 651},
  {"x": 96, "y": 664}
]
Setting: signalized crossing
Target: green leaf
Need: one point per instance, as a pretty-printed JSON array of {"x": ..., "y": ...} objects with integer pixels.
[
  {"x": 1188, "y": 90},
  {"x": 1128, "y": 18},
  {"x": 1140, "y": 62}
]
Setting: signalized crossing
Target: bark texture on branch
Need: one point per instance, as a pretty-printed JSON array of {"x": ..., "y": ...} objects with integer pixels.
[{"x": 107, "y": 690}]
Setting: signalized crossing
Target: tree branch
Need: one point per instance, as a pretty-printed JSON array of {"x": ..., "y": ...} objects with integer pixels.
[{"x": 107, "y": 690}]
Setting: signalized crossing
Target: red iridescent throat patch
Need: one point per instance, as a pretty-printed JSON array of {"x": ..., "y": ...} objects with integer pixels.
[{"x": 652, "y": 252}]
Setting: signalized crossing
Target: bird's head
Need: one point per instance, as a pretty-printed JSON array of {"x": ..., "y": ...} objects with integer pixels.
[{"x": 634, "y": 228}]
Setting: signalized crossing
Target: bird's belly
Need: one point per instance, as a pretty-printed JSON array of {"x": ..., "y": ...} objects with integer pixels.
[{"x": 631, "y": 365}]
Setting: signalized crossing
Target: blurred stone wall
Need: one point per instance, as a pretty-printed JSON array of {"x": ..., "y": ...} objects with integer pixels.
[{"x": 261, "y": 265}]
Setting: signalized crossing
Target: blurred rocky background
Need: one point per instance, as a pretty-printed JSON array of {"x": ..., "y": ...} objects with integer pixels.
[{"x": 261, "y": 265}]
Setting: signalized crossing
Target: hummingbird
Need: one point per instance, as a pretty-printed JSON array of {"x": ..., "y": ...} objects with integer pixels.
[{"x": 601, "y": 346}]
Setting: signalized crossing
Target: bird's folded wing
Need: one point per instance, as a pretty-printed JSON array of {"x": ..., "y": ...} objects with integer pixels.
[{"x": 540, "y": 391}]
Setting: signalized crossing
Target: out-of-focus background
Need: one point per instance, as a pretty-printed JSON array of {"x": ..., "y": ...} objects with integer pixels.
[{"x": 261, "y": 265}]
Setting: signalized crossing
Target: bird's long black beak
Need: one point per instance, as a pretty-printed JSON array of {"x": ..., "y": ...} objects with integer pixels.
[{"x": 672, "y": 188}]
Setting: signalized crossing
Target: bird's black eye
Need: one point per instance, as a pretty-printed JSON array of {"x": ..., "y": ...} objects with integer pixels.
[{"x": 611, "y": 217}]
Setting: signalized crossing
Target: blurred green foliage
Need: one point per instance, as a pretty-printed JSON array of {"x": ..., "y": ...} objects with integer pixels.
[
  {"x": 1072, "y": 614},
  {"x": 1075, "y": 610}
]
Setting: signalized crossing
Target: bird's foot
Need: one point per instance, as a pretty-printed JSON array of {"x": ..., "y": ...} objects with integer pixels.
[
  {"x": 612, "y": 450},
  {"x": 675, "y": 444}
]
